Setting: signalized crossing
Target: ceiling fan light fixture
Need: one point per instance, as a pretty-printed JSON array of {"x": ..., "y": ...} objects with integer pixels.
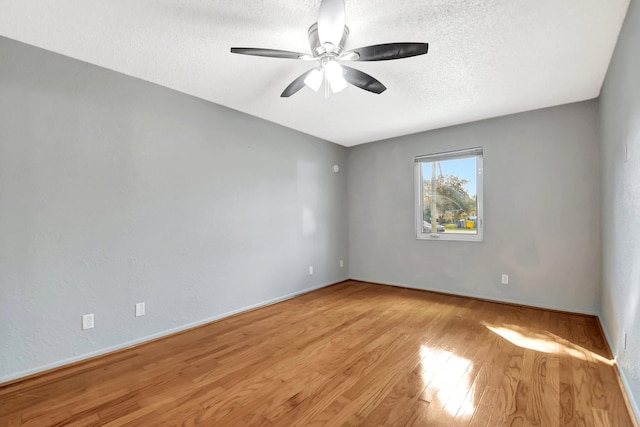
[
  {"x": 314, "y": 80},
  {"x": 337, "y": 84},
  {"x": 333, "y": 70},
  {"x": 334, "y": 74}
]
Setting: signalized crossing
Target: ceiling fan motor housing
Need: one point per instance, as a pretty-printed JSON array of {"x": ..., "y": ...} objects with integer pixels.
[{"x": 318, "y": 50}]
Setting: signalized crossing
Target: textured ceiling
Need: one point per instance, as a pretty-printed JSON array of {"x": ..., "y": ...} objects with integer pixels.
[{"x": 486, "y": 58}]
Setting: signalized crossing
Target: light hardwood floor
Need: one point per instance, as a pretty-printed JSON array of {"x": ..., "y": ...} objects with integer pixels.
[{"x": 350, "y": 354}]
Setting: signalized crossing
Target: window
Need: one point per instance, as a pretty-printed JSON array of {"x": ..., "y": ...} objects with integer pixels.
[{"x": 449, "y": 195}]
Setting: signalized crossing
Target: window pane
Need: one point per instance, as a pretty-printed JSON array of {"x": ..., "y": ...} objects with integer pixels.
[{"x": 450, "y": 196}]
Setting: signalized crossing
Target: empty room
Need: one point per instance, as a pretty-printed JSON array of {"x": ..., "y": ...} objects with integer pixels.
[{"x": 329, "y": 212}]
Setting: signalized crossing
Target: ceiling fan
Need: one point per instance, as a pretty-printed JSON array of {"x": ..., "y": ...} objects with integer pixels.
[{"x": 327, "y": 39}]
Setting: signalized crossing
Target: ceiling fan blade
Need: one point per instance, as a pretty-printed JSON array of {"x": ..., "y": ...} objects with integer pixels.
[
  {"x": 295, "y": 85},
  {"x": 363, "y": 80},
  {"x": 387, "y": 51},
  {"x": 271, "y": 53},
  {"x": 331, "y": 21}
]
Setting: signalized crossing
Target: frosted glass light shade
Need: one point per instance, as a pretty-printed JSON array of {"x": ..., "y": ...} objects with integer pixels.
[
  {"x": 314, "y": 80},
  {"x": 335, "y": 76}
]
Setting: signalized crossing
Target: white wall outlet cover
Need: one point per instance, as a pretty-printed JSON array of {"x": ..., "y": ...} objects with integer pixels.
[
  {"x": 140, "y": 309},
  {"x": 505, "y": 279},
  {"x": 87, "y": 321}
]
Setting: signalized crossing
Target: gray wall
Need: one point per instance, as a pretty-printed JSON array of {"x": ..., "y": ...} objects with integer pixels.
[
  {"x": 620, "y": 126},
  {"x": 115, "y": 191},
  {"x": 541, "y": 209}
]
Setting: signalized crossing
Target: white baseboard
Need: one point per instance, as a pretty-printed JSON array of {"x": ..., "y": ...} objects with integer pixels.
[
  {"x": 627, "y": 389},
  {"x": 487, "y": 298},
  {"x": 623, "y": 377},
  {"x": 171, "y": 331}
]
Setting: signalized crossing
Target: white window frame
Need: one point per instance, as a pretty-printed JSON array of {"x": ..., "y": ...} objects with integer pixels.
[{"x": 477, "y": 152}]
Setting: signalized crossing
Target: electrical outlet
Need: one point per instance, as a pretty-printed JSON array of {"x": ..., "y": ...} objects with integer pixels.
[
  {"x": 87, "y": 321},
  {"x": 310, "y": 270},
  {"x": 505, "y": 279},
  {"x": 140, "y": 309},
  {"x": 341, "y": 263}
]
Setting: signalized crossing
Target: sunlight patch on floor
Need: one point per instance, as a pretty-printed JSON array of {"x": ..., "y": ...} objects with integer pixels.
[
  {"x": 447, "y": 378},
  {"x": 545, "y": 342}
]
